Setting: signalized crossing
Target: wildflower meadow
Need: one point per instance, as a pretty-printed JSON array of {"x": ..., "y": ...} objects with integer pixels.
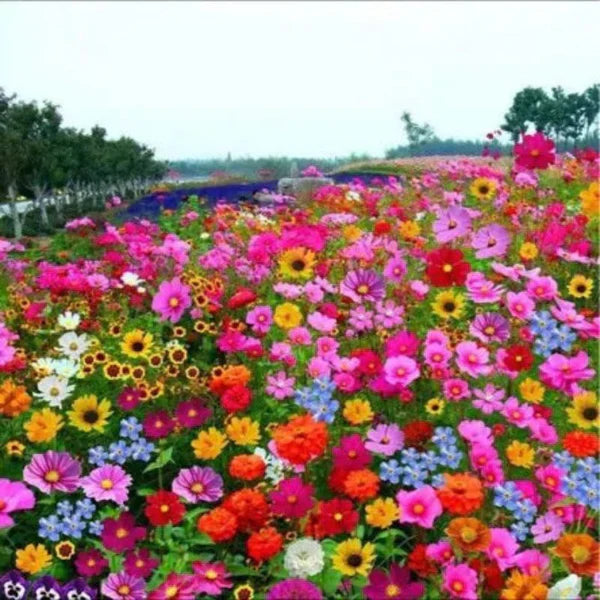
[{"x": 386, "y": 391}]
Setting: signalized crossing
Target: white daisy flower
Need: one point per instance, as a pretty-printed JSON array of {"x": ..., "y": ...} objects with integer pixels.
[
  {"x": 43, "y": 366},
  {"x": 69, "y": 320},
  {"x": 65, "y": 367},
  {"x": 565, "y": 589},
  {"x": 72, "y": 345},
  {"x": 131, "y": 279},
  {"x": 53, "y": 390},
  {"x": 304, "y": 558}
]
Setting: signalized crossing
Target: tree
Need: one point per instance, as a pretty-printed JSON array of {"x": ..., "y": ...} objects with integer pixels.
[
  {"x": 531, "y": 106},
  {"x": 416, "y": 134}
]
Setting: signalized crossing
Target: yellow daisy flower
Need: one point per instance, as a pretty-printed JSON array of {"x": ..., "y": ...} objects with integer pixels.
[
  {"x": 382, "y": 513},
  {"x": 33, "y": 559},
  {"x": 435, "y": 406},
  {"x": 483, "y": 188},
  {"x": 409, "y": 230},
  {"x": 43, "y": 426},
  {"x": 585, "y": 412},
  {"x": 243, "y": 431},
  {"x": 449, "y": 305},
  {"x": 137, "y": 343},
  {"x": 89, "y": 415},
  {"x": 532, "y": 390},
  {"x": 520, "y": 454},
  {"x": 352, "y": 558},
  {"x": 581, "y": 287},
  {"x": 297, "y": 263},
  {"x": 209, "y": 444},
  {"x": 287, "y": 316},
  {"x": 590, "y": 200},
  {"x": 528, "y": 251},
  {"x": 358, "y": 411}
]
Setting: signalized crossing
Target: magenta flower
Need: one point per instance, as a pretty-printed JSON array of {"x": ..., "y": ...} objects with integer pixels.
[
  {"x": 121, "y": 586},
  {"x": 472, "y": 359},
  {"x": 456, "y": 389},
  {"x": 502, "y": 548},
  {"x": 564, "y": 372},
  {"x": 351, "y": 453},
  {"x": 192, "y": 412},
  {"x": 109, "y": 482},
  {"x": 460, "y": 581},
  {"x": 490, "y": 327},
  {"x": 53, "y": 471},
  {"x": 171, "y": 300},
  {"x": 290, "y": 589},
  {"x": 517, "y": 414},
  {"x": 280, "y": 386},
  {"x": 122, "y": 533},
  {"x": 176, "y": 587},
  {"x": 385, "y": 439},
  {"x": 403, "y": 342},
  {"x": 482, "y": 290},
  {"x": 395, "y": 269},
  {"x": 401, "y": 370},
  {"x": 542, "y": 288},
  {"x": 520, "y": 305},
  {"x": 420, "y": 506},
  {"x": 396, "y": 585},
  {"x": 260, "y": 319},
  {"x": 292, "y": 498},
  {"x": 13, "y": 496},
  {"x": 140, "y": 563},
  {"x": 211, "y": 578},
  {"x": 491, "y": 240},
  {"x": 362, "y": 286},
  {"x": 198, "y": 484},
  {"x": 436, "y": 355}
]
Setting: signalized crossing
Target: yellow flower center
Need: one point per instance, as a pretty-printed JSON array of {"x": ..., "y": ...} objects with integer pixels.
[
  {"x": 391, "y": 591},
  {"x": 52, "y": 476},
  {"x": 338, "y": 517},
  {"x": 106, "y": 484},
  {"x": 468, "y": 535},
  {"x": 580, "y": 554},
  {"x": 121, "y": 533},
  {"x": 164, "y": 508},
  {"x": 363, "y": 289},
  {"x": 197, "y": 488},
  {"x": 171, "y": 591},
  {"x": 123, "y": 590},
  {"x": 458, "y": 586},
  {"x": 292, "y": 499},
  {"x": 211, "y": 574},
  {"x": 447, "y": 268},
  {"x": 174, "y": 302},
  {"x": 418, "y": 509}
]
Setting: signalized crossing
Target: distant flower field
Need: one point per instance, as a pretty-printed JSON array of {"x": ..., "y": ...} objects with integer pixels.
[{"x": 388, "y": 392}]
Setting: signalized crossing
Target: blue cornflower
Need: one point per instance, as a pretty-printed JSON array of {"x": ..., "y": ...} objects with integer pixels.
[
  {"x": 409, "y": 456},
  {"x": 588, "y": 467},
  {"x": 571, "y": 483},
  {"x": 507, "y": 495},
  {"x": 525, "y": 510},
  {"x": 430, "y": 461},
  {"x": 64, "y": 508},
  {"x": 450, "y": 457},
  {"x": 566, "y": 337},
  {"x": 119, "y": 452},
  {"x": 520, "y": 530},
  {"x": 443, "y": 436},
  {"x": 85, "y": 508},
  {"x": 390, "y": 471},
  {"x": 592, "y": 497},
  {"x": 141, "y": 450},
  {"x": 542, "y": 322},
  {"x": 302, "y": 396},
  {"x": 324, "y": 385},
  {"x": 95, "y": 527},
  {"x": 130, "y": 428},
  {"x": 97, "y": 456},
  {"x": 563, "y": 460},
  {"x": 413, "y": 476},
  {"x": 544, "y": 346},
  {"x": 50, "y": 528},
  {"x": 324, "y": 410},
  {"x": 438, "y": 480}
]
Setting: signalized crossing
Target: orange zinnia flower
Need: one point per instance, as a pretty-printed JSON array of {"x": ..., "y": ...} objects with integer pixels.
[
  {"x": 219, "y": 524},
  {"x": 361, "y": 484},
  {"x": 247, "y": 467},
  {"x": 230, "y": 376},
  {"x": 469, "y": 534},
  {"x": 461, "y": 494},
  {"x": 301, "y": 439},
  {"x": 580, "y": 552},
  {"x": 519, "y": 587},
  {"x": 249, "y": 506},
  {"x": 14, "y": 399}
]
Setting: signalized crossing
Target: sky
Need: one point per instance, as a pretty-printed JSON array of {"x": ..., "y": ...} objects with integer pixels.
[{"x": 314, "y": 79}]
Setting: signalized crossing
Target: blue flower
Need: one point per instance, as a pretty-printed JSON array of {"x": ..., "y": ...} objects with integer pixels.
[
  {"x": 130, "y": 428},
  {"x": 443, "y": 436},
  {"x": 73, "y": 527},
  {"x": 588, "y": 467},
  {"x": 50, "y": 528},
  {"x": 520, "y": 530},
  {"x": 438, "y": 480},
  {"x": 450, "y": 457},
  {"x": 324, "y": 410},
  {"x": 64, "y": 508},
  {"x": 85, "y": 508},
  {"x": 544, "y": 346},
  {"x": 507, "y": 495},
  {"x": 119, "y": 452},
  {"x": 525, "y": 510},
  {"x": 542, "y": 322},
  {"x": 409, "y": 456},
  {"x": 566, "y": 337},
  {"x": 324, "y": 385},
  {"x": 97, "y": 456},
  {"x": 563, "y": 460},
  {"x": 430, "y": 461},
  {"x": 413, "y": 477},
  {"x": 95, "y": 527},
  {"x": 142, "y": 450},
  {"x": 390, "y": 471}
]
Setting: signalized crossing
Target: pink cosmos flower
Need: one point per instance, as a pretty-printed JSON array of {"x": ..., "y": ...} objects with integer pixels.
[
  {"x": 361, "y": 319},
  {"x": 282, "y": 351},
  {"x": 121, "y": 586},
  {"x": 198, "y": 484},
  {"x": 419, "y": 289},
  {"x": 140, "y": 563},
  {"x": 436, "y": 355},
  {"x": 13, "y": 496},
  {"x": 489, "y": 399},
  {"x": 313, "y": 292},
  {"x": 517, "y": 414},
  {"x": 389, "y": 314},
  {"x": 547, "y": 528},
  {"x": 550, "y": 477},
  {"x": 401, "y": 370},
  {"x": 456, "y": 389},
  {"x": 53, "y": 471},
  {"x": 280, "y": 386},
  {"x": 171, "y": 300},
  {"x": 292, "y": 499},
  {"x": 502, "y": 548},
  {"x": 327, "y": 347},
  {"x": 260, "y": 319},
  {"x": 320, "y": 322},
  {"x": 533, "y": 563},
  {"x": 109, "y": 482},
  {"x": 472, "y": 359},
  {"x": 564, "y": 372},
  {"x": 460, "y": 581},
  {"x": 403, "y": 342},
  {"x": 520, "y": 305},
  {"x": 542, "y": 431},
  {"x": 211, "y": 578},
  {"x": 542, "y": 288},
  {"x": 476, "y": 432},
  {"x": 176, "y": 587},
  {"x": 300, "y": 336},
  {"x": 440, "y": 552},
  {"x": 482, "y": 290},
  {"x": 318, "y": 367},
  {"x": 420, "y": 506},
  {"x": 351, "y": 453},
  {"x": 385, "y": 439},
  {"x": 395, "y": 269}
]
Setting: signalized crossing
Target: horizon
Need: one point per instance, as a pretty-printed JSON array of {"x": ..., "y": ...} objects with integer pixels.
[{"x": 333, "y": 85}]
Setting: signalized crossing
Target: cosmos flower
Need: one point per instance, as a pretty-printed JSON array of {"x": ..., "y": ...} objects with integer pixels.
[{"x": 53, "y": 471}]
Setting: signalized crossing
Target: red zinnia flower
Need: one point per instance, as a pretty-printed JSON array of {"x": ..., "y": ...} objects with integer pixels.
[
  {"x": 518, "y": 358},
  {"x": 417, "y": 433},
  {"x": 581, "y": 444},
  {"x": 164, "y": 507},
  {"x": 250, "y": 508},
  {"x": 535, "y": 152},
  {"x": 446, "y": 267},
  {"x": 236, "y": 398},
  {"x": 264, "y": 544},
  {"x": 242, "y": 297},
  {"x": 334, "y": 517},
  {"x": 420, "y": 563}
]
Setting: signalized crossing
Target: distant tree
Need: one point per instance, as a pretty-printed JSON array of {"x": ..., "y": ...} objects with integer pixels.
[
  {"x": 530, "y": 107},
  {"x": 416, "y": 134}
]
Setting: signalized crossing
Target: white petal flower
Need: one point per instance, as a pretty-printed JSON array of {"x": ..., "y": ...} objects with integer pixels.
[
  {"x": 72, "y": 345},
  {"x": 53, "y": 390},
  {"x": 304, "y": 558},
  {"x": 69, "y": 320},
  {"x": 565, "y": 589}
]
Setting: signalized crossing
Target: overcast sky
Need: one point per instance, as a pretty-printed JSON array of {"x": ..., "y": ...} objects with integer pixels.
[{"x": 305, "y": 79}]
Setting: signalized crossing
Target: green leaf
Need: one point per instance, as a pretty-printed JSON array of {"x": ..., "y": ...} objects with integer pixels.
[{"x": 163, "y": 458}]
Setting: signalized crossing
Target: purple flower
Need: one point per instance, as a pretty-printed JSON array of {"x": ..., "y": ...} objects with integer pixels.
[
  {"x": 489, "y": 399},
  {"x": 109, "y": 482},
  {"x": 121, "y": 586},
  {"x": 46, "y": 588},
  {"x": 389, "y": 314},
  {"x": 490, "y": 327},
  {"x": 482, "y": 290},
  {"x": 361, "y": 318},
  {"x": 491, "y": 240},
  {"x": 292, "y": 589},
  {"x": 53, "y": 471},
  {"x": 198, "y": 484},
  {"x": 385, "y": 439},
  {"x": 452, "y": 223},
  {"x": 547, "y": 528},
  {"x": 78, "y": 589},
  {"x": 13, "y": 585},
  {"x": 363, "y": 285},
  {"x": 395, "y": 269},
  {"x": 280, "y": 386}
]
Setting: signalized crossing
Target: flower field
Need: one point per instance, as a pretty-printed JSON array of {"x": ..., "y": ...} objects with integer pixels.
[{"x": 387, "y": 393}]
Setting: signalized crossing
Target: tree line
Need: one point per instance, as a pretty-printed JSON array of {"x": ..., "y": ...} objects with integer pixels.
[{"x": 63, "y": 170}]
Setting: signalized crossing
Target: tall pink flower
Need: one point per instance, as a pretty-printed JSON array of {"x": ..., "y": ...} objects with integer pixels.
[
  {"x": 171, "y": 300},
  {"x": 13, "y": 496},
  {"x": 211, "y": 578},
  {"x": 109, "y": 482},
  {"x": 519, "y": 305},
  {"x": 292, "y": 498},
  {"x": 401, "y": 370},
  {"x": 502, "y": 548},
  {"x": 472, "y": 359},
  {"x": 563, "y": 372},
  {"x": 460, "y": 581},
  {"x": 420, "y": 506}
]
